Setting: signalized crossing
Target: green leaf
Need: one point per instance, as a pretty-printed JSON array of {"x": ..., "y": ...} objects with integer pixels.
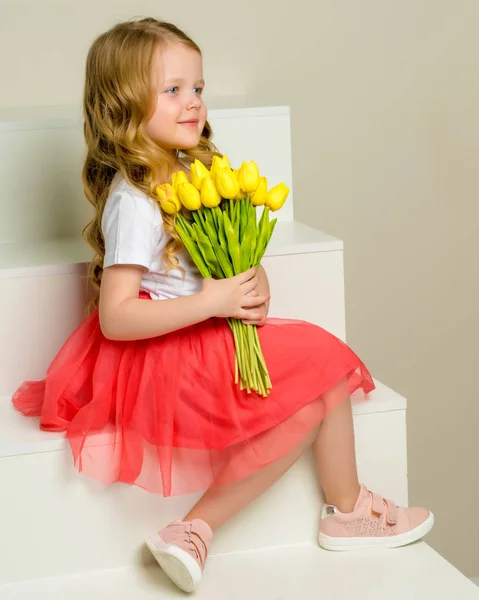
[
  {"x": 233, "y": 245},
  {"x": 193, "y": 250}
]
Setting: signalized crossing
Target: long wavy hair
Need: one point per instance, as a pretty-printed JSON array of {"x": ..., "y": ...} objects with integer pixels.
[{"x": 118, "y": 102}]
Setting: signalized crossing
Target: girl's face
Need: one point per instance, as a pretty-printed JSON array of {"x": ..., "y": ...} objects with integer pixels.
[{"x": 180, "y": 115}]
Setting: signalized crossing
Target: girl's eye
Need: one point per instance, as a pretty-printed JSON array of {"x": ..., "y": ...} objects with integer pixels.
[{"x": 173, "y": 90}]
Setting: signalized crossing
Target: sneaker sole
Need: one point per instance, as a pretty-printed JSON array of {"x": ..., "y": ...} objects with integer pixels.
[
  {"x": 359, "y": 543},
  {"x": 177, "y": 564}
]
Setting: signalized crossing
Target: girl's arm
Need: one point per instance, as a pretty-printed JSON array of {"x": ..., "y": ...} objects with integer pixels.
[{"x": 123, "y": 316}]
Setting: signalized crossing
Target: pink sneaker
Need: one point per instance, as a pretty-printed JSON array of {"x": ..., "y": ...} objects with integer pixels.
[
  {"x": 374, "y": 521},
  {"x": 181, "y": 550}
]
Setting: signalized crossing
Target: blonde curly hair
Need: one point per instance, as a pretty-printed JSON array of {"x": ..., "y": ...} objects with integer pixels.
[{"x": 118, "y": 101}]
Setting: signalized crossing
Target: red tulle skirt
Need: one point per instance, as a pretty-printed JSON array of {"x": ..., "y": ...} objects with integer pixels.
[{"x": 165, "y": 414}]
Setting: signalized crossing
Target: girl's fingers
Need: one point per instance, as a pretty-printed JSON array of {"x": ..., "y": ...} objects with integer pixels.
[
  {"x": 249, "y": 285},
  {"x": 247, "y": 275},
  {"x": 251, "y": 317},
  {"x": 257, "y": 323},
  {"x": 250, "y": 301}
]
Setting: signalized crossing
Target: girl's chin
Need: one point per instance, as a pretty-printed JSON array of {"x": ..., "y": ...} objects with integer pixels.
[
  {"x": 179, "y": 144},
  {"x": 188, "y": 144}
]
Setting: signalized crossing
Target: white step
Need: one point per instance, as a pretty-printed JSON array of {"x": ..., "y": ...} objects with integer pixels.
[
  {"x": 42, "y": 494},
  {"x": 303, "y": 572}
]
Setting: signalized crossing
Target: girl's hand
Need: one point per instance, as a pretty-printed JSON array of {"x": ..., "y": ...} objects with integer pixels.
[
  {"x": 262, "y": 309},
  {"x": 232, "y": 297}
]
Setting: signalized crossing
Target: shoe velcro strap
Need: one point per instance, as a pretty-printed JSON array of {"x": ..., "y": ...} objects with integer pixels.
[
  {"x": 392, "y": 512},
  {"x": 377, "y": 504},
  {"x": 380, "y": 505},
  {"x": 201, "y": 548}
]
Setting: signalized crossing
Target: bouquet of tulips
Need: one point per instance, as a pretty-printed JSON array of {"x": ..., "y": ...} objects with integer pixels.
[{"x": 217, "y": 223}]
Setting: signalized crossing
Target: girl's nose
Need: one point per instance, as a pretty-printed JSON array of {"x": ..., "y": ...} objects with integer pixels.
[{"x": 194, "y": 101}]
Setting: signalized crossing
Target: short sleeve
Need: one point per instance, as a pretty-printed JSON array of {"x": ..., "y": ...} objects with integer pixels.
[{"x": 132, "y": 229}]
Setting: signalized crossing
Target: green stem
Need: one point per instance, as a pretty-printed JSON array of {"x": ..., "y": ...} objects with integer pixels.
[
  {"x": 240, "y": 350},
  {"x": 259, "y": 352},
  {"x": 253, "y": 358},
  {"x": 264, "y": 368},
  {"x": 244, "y": 351},
  {"x": 231, "y": 324}
]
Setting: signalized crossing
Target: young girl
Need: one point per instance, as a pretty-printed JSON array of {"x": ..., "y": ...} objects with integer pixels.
[{"x": 152, "y": 367}]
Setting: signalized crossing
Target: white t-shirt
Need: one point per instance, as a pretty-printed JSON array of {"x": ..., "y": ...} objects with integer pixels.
[{"x": 134, "y": 234}]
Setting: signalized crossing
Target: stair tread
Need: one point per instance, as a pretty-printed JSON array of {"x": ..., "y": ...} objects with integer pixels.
[
  {"x": 67, "y": 255},
  {"x": 303, "y": 572},
  {"x": 20, "y": 435}
]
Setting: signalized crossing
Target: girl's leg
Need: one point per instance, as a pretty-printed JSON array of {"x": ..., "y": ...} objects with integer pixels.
[
  {"x": 335, "y": 457},
  {"x": 220, "y": 503}
]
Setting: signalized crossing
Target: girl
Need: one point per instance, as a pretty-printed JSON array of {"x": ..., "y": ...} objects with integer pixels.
[{"x": 152, "y": 365}]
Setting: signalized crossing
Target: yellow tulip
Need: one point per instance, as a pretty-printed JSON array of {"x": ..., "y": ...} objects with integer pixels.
[
  {"x": 276, "y": 196},
  {"x": 168, "y": 197},
  {"x": 210, "y": 196},
  {"x": 168, "y": 207},
  {"x": 241, "y": 194},
  {"x": 178, "y": 178},
  {"x": 249, "y": 177},
  {"x": 189, "y": 196},
  {"x": 227, "y": 184},
  {"x": 198, "y": 173},
  {"x": 219, "y": 163},
  {"x": 259, "y": 197}
]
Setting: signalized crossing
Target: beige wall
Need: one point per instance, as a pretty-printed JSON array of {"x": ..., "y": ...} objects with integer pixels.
[{"x": 384, "y": 98}]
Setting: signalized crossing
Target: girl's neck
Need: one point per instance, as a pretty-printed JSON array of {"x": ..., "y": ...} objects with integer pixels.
[
  {"x": 178, "y": 166},
  {"x": 181, "y": 165}
]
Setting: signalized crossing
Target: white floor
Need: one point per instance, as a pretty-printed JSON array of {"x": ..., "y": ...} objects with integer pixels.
[{"x": 296, "y": 573}]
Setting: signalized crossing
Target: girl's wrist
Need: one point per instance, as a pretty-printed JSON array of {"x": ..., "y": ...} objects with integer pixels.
[{"x": 205, "y": 305}]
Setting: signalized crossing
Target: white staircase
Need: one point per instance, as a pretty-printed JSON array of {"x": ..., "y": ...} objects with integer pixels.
[{"x": 64, "y": 536}]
